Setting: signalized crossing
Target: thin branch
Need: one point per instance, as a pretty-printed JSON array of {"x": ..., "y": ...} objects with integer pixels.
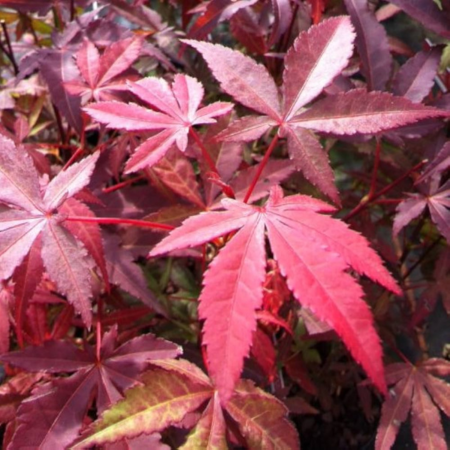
[
  {"x": 366, "y": 200},
  {"x": 73, "y": 158},
  {"x": 62, "y": 134},
  {"x": 72, "y": 10},
  {"x": 205, "y": 153},
  {"x": 123, "y": 184},
  {"x": 422, "y": 257},
  {"x": 9, "y": 53},
  {"x": 120, "y": 221}
]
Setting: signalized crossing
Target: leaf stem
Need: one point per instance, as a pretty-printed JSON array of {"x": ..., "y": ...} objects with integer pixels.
[
  {"x": 368, "y": 199},
  {"x": 72, "y": 10},
  {"x": 62, "y": 134},
  {"x": 205, "y": 153},
  {"x": 98, "y": 329},
  {"x": 122, "y": 184},
  {"x": 422, "y": 257},
  {"x": 9, "y": 53},
  {"x": 73, "y": 158},
  {"x": 120, "y": 221},
  {"x": 261, "y": 167}
]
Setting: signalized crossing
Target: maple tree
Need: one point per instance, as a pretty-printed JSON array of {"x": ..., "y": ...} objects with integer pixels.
[{"x": 172, "y": 272}]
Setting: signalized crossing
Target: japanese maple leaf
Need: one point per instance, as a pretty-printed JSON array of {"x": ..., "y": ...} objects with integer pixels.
[
  {"x": 416, "y": 389},
  {"x": 314, "y": 60},
  {"x": 36, "y": 212},
  {"x": 438, "y": 202},
  {"x": 178, "y": 107},
  {"x": 175, "y": 388},
  {"x": 53, "y": 415},
  {"x": 313, "y": 252},
  {"x": 102, "y": 75}
]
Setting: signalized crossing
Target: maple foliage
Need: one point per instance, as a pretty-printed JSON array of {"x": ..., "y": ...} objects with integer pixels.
[
  {"x": 163, "y": 167},
  {"x": 433, "y": 196},
  {"x": 416, "y": 389},
  {"x": 312, "y": 251},
  {"x": 172, "y": 390},
  {"x": 66, "y": 401},
  {"x": 33, "y": 214},
  {"x": 315, "y": 58},
  {"x": 179, "y": 112},
  {"x": 102, "y": 75}
]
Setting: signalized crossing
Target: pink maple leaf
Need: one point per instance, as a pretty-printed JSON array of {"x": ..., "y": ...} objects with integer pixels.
[
  {"x": 103, "y": 75},
  {"x": 35, "y": 211},
  {"x": 314, "y": 253},
  {"x": 177, "y": 112}
]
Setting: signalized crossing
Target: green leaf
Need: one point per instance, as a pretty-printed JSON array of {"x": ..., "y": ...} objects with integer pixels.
[{"x": 163, "y": 399}]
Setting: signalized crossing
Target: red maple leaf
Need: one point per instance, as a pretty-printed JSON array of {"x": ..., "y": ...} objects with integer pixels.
[
  {"x": 314, "y": 60},
  {"x": 52, "y": 416},
  {"x": 36, "y": 216},
  {"x": 179, "y": 112},
  {"x": 431, "y": 195},
  {"x": 416, "y": 388},
  {"x": 313, "y": 252}
]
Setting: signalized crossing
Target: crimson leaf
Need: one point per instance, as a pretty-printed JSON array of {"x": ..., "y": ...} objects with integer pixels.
[
  {"x": 313, "y": 252},
  {"x": 314, "y": 60},
  {"x": 55, "y": 412}
]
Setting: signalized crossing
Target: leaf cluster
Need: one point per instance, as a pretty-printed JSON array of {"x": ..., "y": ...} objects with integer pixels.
[{"x": 219, "y": 221}]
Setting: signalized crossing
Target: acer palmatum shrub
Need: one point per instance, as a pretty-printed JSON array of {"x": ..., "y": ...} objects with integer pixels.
[{"x": 224, "y": 224}]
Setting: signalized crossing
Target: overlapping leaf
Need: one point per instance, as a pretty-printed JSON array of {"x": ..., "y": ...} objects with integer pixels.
[
  {"x": 313, "y": 252},
  {"x": 372, "y": 44},
  {"x": 33, "y": 214},
  {"x": 416, "y": 389},
  {"x": 313, "y": 61},
  {"x": 427, "y": 13},
  {"x": 415, "y": 78},
  {"x": 433, "y": 196},
  {"x": 179, "y": 111},
  {"x": 52, "y": 417},
  {"x": 176, "y": 388},
  {"x": 103, "y": 75}
]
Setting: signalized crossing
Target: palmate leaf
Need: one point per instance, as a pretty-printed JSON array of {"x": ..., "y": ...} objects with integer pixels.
[
  {"x": 313, "y": 252},
  {"x": 416, "y": 389},
  {"x": 102, "y": 74},
  {"x": 54, "y": 414},
  {"x": 176, "y": 387},
  {"x": 34, "y": 214},
  {"x": 438, "y": 203},
  {"x": 314, "y": 60},
  {"x": 162, "y": 399},
  {"x": 179, "y": 106}
]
